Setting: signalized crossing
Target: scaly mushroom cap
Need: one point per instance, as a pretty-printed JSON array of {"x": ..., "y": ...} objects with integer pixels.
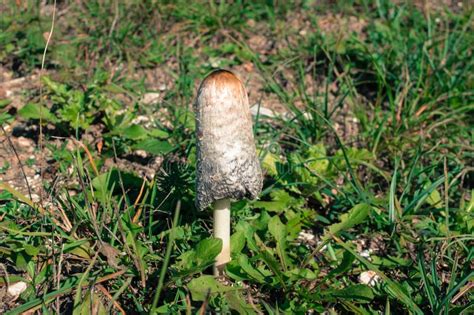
[{"x": 227, "y": 163}]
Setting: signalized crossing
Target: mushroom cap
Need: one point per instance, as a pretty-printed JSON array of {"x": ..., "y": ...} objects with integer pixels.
[{"x": 227, "y": 162}]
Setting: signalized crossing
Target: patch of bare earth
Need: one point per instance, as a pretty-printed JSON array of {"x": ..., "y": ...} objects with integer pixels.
[{"x": 18, "y": 156}]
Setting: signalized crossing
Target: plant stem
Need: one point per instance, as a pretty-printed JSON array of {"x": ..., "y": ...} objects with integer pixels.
[
  {"x": 222, "y": 231},
  {"x": 164, "y": 268}
]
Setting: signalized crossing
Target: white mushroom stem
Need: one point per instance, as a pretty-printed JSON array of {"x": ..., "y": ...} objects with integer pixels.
[{"x": 222, "y": 231}]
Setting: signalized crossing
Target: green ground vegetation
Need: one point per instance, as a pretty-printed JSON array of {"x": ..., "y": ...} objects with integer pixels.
[{"x": 393, "y": 198}]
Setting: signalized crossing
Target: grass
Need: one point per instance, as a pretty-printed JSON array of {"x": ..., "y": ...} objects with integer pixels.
[{"x": 368, "y": 167}]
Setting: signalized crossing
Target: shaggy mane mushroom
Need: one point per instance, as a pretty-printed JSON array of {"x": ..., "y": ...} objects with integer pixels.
[{"x": 227, "y": 164}]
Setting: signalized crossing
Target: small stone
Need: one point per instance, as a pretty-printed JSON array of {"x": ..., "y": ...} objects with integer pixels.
[
  {"x": 365, "y": 253},
  {"x": 14, "y": 290},
  {"x": 369, "y": 278},
  {"x": 261, "y": 111},
  {"x": 149, "y": 98},
  {"x": 140, "y": 153},
  {"x": 24, "y": 142},
  {"x": 35, "y": 198},
  {"x": 141, "y": 119},
  {"x": 304, "y": 236},
  {"x": 72, "y": 192},
  {"x": 248, "y": 67}
]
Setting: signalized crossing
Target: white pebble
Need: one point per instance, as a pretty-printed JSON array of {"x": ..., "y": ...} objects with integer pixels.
[
  {"x": 365, "y": 253},
  {"x": 151, "y": 97},
  {"x": 369, "y": 278},
  {"x": 304, "y": 236},
  {"x": 162, "y": 87},
  {"x": 16, "y": 289},
  {"x": 141, "y": 153},
  {"x": 261, "y": 111},
  {"x": 35, "y": 198}
]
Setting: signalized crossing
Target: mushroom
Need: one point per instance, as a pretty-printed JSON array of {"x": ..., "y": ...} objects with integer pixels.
[{"x": 227, "y": 163}]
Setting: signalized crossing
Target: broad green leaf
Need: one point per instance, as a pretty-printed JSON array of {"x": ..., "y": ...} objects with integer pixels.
[
  {"x": 134, "y": 132},
  {"x": 234, "y": 271},
  {"x": 208, "y": 249},
  {"x": 76, "y": 112},
  {"x": 204, "y": 285},
  {"x": 154, "y": 146},
  {"x": 90, "y": 301},
  {"x": 346, "y": 264},
  {"x": 4, "y": 102},
  {"x": 31, "y": 250},
  {"x": 316, "y": 155},
  {"x": 310, "y": 165},
  {"x": 250, "y": 270},
  {"x": 294, "y": 224},
  {"x": 358, "y": 292},
  {"x": 434, "y": 198},
  {"x": 237, "y": 242},
  {"x": 261, "y": 223},
  {"x": 36, "y": 111},
  {"x": 107, "y": 182},
  {"x": 57, "y": 88},
  {"x": 270, "y": 162},
  {"x": 299, "y": 273},
  {"x": 268, "y": 258},
  {"x": 278, "y": 230},
  {"x": 355, "y": 216},
  {"x": 158, "y": 133},
  {"x": 186, "y": 119},
  {"x": 163, "y": 309},
  {"x": 85, "y": 305},
  {"x": 248, "y": 231},
  {"x": 81, "y": 248},
  {"x": 237, "y": 302},
  {"x": 281, "y": 201},
  {"x": 22, "y": 260},
  {"x": 4, "y": 117},
  {"x": 43, "y": 274},
  {"x": 196, "y": 260},
  {"x": 185, "y": 260}
]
